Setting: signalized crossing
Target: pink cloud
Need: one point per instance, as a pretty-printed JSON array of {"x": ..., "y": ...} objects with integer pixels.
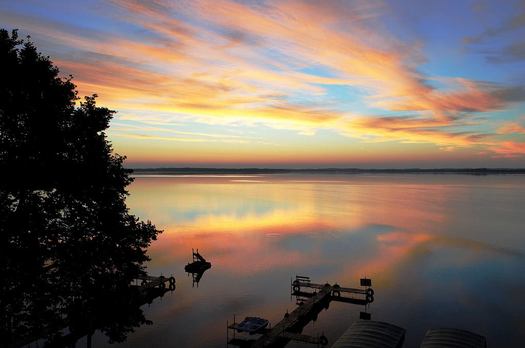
[
  {"x": 510, "y": 149},
  {"x": 511, "y": 128}
]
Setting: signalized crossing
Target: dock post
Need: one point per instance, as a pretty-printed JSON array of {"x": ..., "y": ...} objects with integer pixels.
[{"x": 291, "y": 291}]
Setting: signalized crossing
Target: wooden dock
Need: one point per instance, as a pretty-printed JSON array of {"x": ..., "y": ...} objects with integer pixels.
[
  {"x": 290, "y": 327},
  {"x": 287, "y": 328},
  {"x": 149, "y": 282},
  {"x": 336, "y": 290},
  {"x": 143, "y": 290}
]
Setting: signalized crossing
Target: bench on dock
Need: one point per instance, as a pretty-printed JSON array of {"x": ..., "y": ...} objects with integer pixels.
[{"x": 302, "y": 282}]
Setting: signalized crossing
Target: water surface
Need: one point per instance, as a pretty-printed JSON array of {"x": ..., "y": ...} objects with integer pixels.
[{"x": 442, "y": 251}]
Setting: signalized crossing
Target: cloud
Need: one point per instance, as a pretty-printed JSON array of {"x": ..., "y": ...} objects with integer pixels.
[
  {"x": 516, "y": 22},
  {"x": 141, "y": 136},
  {"x": 413, "y": 130},
  {"x": 325, "y": 36},
  {"x": 511, "y": 128},
  {"x": 510, "y": 149},
  {"x": 271, "y": 63},
  {"x": 144, "y": 127},
  {"x": 149, "y": 133},
  {"x": 513, "y": 52}
]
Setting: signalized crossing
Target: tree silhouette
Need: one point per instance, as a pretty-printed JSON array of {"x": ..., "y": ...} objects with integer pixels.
[{"x": 68, "y": 239}]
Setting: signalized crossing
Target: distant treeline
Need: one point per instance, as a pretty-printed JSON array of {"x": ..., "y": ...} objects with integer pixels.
[{"x": 225, "y": 171}]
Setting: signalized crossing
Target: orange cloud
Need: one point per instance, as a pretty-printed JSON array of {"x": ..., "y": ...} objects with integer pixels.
[
  {"x": 261, "y": 63},
  {"x": 314, "y": 36},
  {"x": 471, "y": 97},
  {"x": 511, "y": 128},
  {"x": 510, "y": 149},
  {"x": 417, "y": 130}
]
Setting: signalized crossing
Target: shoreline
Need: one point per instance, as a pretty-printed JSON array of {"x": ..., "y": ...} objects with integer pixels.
[{"x": 329, "y": 171}]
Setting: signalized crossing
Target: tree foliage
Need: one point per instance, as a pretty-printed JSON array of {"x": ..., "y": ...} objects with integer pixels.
[{"x": 67, "y": 235}]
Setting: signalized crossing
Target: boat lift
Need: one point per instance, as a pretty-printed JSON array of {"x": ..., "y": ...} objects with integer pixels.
[{"x": 197, "y": 267}]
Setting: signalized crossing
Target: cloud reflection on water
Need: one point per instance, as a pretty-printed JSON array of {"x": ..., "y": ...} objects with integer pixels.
[{"x": 429, "y": 244}]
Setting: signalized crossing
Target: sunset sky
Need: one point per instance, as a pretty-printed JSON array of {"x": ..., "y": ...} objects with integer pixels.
[{"x": 295, "y": 83}]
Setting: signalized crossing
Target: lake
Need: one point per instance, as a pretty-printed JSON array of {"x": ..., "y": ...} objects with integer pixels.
[{"x": 441, "y": 250}]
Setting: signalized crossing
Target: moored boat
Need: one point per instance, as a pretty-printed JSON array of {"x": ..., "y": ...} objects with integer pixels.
[{"x": 252, "y": 325}]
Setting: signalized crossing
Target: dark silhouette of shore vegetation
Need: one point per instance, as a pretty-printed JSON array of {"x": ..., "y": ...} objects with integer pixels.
[{"x": 69, "y": 246}]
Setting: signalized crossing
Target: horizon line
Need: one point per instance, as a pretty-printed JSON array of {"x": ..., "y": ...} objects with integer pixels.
[{"x": 189, "y": 170}]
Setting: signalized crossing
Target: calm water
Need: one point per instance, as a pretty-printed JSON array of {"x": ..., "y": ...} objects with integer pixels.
[{"x": 442, "y": 251}]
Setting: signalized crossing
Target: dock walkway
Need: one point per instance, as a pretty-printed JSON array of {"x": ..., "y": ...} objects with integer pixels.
[
  {"x": 284, "y": 330},
  {"x": 290, "y": 327},
  {"x": 148, "y": 282}
]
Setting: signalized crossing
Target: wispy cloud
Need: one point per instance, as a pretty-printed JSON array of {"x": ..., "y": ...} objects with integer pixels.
[
  {"x": 511, "y": 128},
  {"x": 510, "y": 149},
  {"x": 516, "y": 22},
  {"x": 414, "y": 130},
  {"x": 508, "y": 52},
  {"x": 274, "y": 63}
]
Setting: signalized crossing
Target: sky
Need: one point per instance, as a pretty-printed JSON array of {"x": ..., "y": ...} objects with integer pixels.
[{"x": 223, "y": 83}]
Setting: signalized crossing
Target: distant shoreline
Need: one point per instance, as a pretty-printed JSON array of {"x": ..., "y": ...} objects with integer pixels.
[{"x": 229, "y": 171}]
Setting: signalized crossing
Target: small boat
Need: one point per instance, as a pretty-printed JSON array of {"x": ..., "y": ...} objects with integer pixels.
[{"x": 252, "y": 325}]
